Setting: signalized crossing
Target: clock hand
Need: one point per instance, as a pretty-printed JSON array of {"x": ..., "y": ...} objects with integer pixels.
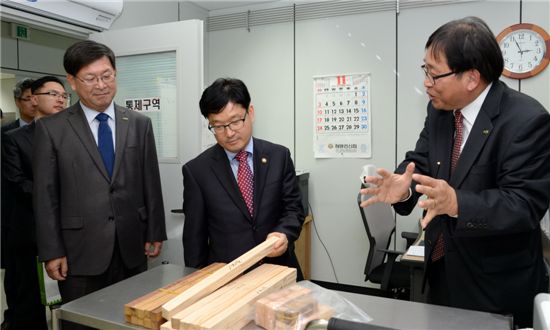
[{"x": 517, "y": 44}]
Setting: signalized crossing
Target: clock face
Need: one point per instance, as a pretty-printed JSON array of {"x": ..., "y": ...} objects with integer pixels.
[
  {"x": 522, "y": 50},
  {"x": 525, "y": 50}
]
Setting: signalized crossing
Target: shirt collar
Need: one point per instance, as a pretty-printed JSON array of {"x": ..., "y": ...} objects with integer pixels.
[
  {"x": 470, "y": 112},
  {"x": 249, "y": 148},
  {"x": 91, "y": 113}
]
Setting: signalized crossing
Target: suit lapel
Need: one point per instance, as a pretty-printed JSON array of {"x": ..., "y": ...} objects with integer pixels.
[
  {"x": 444, "y": 144},
  {"x": 77, "y": 120},
  {"x": 481, "y": 130},
  {"x": 221, "y": 168},
  {"x": 122, "y": 123},
  {"x": 29, "y": 133},
  {"x": 261, "y": 166}
]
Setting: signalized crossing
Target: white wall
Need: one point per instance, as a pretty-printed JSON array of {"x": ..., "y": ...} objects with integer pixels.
[{"x": 6, "y": 100}]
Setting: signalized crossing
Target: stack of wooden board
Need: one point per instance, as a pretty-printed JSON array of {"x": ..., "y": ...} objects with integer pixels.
[
  {"x": 209, "y": 302},
  {"x": 146, "y": 311},
  {"x": 233, "y": 305}
]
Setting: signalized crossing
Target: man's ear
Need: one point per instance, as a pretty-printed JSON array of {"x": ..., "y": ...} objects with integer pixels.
[
  {"x": 71, "y": 80},
  {"x": 473, "y": 79},
  {"x": 34, "y": 100},
  {"x": 251, "y": 112}
]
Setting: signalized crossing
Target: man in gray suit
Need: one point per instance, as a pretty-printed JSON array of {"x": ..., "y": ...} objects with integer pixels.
[{"x": 97, "y": 193}]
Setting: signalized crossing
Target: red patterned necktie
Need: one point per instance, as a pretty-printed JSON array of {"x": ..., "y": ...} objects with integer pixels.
[
  {"x": 245, "y": 179},
  {"x": 458, "y": 139},
  {"x": 439, "y": 248}
]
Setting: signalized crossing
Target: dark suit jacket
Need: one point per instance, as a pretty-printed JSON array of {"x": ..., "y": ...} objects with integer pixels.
[
  {"x": 493, "y": 256},
  {"x": 8, "y": 198},
  {"x": 218, "y": 226},
  {"x": 17, "y": 171},
  {"x": 79, "y": 210}
]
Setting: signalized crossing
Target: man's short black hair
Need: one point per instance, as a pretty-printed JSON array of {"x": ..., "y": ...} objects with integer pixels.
[
  {"x": 468, "y": 43},
  {"x": 83, "y": 53},
  {"x": 38, "y": 83},
  {"x": 222, "y": 91}
]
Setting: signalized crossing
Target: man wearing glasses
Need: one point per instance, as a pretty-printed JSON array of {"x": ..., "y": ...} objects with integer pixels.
[
  {"x": 241, "y": 190},
  {"x": 483, "y": 162},
  {"x": 22, "y": 97},
  {"x": 26, "y": 309},
  {"x": 97, "y": 193}
]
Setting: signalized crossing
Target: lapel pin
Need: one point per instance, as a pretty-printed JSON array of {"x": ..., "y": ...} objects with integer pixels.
[
  {"x": 485, "y": 132},
  {"x": 264, "y": 160},
  {"x": 124, "y": 118}
]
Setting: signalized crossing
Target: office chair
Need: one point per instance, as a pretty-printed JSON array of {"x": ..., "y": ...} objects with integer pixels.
[{"x": 382, "y": 267}]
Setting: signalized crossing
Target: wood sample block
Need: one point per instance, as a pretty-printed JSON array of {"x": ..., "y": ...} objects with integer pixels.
[
  {"x": 290, "y": 309},
  {"x": 218, "y": 278}
]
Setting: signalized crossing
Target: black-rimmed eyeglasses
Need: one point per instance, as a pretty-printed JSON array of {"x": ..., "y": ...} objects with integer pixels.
[
  {"x": 55, "y": 94},
  {"x": 234, "y": 125},
  {"x": 433, "y": 78}
]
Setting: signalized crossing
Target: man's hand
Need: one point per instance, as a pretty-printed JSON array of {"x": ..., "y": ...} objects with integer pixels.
[
  {"x": 388, "y": 187},
  {"x": 441, "y": 198},
  {"x": 155, "y": 251},
  {"x": 57, "y": 268},
  {"x": 280, "y": 247}
]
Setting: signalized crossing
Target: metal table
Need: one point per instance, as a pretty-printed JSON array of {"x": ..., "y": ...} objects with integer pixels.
[{"x": 104, "y": 309}]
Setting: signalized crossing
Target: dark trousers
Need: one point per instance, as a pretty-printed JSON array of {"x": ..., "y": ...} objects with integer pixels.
[
  {"x": 74, "y": 287},
  {"x": 8, "y": 264},
  {"x": 438, "y": 292},
  {"x": 26, "y": 310}
]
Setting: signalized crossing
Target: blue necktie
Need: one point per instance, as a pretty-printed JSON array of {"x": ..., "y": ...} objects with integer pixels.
[{"x": 105, "y": 142}]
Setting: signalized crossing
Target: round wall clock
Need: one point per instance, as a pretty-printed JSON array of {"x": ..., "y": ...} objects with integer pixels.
[{"x": 526, "y": 50}]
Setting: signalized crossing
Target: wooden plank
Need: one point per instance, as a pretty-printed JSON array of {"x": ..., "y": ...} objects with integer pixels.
[
  {"x": 218, "y": 278},
  {"x": 241, "y": 312},
  {"x": 166, "y": 326},
  {"x": 146, "y": 310},
  {"x": 219, "y": 299}
]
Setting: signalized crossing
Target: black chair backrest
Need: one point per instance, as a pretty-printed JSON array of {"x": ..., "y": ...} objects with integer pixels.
[{"x": 380, "y": 225}]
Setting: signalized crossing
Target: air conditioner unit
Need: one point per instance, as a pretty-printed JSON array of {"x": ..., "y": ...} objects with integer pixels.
[{"x": 74, "y": 17}]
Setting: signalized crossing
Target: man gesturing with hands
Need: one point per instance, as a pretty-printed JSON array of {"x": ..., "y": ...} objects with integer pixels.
[{"x": 482, "y": 161}]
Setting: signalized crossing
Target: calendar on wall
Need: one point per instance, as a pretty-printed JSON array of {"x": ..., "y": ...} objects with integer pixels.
[{"x": 342, "y": 116}]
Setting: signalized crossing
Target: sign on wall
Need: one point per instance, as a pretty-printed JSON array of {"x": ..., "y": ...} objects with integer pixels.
[{"x": 342, "y": 115}]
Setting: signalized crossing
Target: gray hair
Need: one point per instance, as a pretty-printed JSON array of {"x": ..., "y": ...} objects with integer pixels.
[{"x": 21, "y": 87}]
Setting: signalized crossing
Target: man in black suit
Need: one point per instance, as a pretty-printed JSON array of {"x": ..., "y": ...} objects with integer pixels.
[
  {"x": 487, "y": 180},
  {"x": 231, "y": 206},
  {"x": 97, "y": 191},
  {"x": 27, "y": 311},
  {"x": 22, "y": 97}
]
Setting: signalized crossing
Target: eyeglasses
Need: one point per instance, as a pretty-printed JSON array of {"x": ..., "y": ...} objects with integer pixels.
[
  {"x": 55, "y": 94},
  {"x": 107, "y": 77},
  {"x": 234, "y": 126},
  {"x": 433, "y": 78}
]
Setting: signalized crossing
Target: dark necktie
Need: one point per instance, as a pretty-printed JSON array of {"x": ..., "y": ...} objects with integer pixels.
[
  {"x": 439, "y": 248},
  {"x": 105, "y": 142},
  {"x": 458, "y": 139},
  {"x": 245, "y": 180}
]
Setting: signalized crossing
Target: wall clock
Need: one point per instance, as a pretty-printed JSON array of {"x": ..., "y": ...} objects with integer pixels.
[{"x": 526, "y": 50}]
